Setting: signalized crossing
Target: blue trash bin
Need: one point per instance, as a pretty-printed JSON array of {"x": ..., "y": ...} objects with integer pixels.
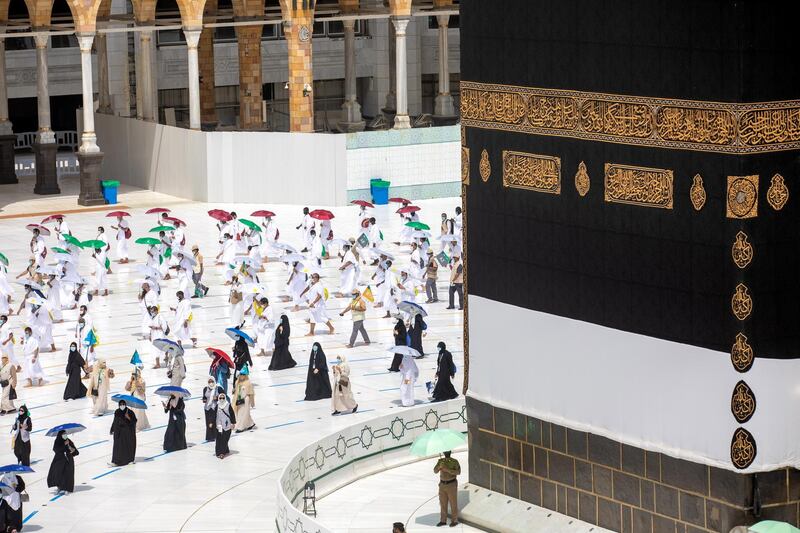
[
  {"x": 110, "y": 190},
  {"x": 380, "y": 192},
  {"x": 372, "y": 183}
]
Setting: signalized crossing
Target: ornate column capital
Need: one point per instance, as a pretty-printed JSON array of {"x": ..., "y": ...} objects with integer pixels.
[
  {"x": 41, "y": 40},
  {"x": 400, "y": 25},
  {"x": 85, "y": 40},
  {"x": 443, "y": 20},
  {"x": 192, "y": 36}
]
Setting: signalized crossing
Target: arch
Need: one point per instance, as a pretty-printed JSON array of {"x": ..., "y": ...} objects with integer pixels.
[
  {"x": 400, "y": 8},
  {"x": 248, "y": 8}
]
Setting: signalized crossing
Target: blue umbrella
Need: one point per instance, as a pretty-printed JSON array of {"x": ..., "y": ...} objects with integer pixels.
[
  {"x": 412, "y": 308},
  {"x": 236, "y": 332},
  {"x": 69, "y": 429},
  {"x": 166, "y": 345},
  {"x": 132, "y": 401},
  {"x": 17, "y": 469},
  {"x": 168, "y": 390}
]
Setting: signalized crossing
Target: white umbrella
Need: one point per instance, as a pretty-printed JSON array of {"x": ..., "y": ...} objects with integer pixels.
[
  {"x": 48, "y": 270},
  {"x": 404, "y": 350},
  {"x": 340, "y": 242},
  {"x": 254, "y": 288},
  {"x": 284, "y": 246},
  {"x": 31, "y": 284},
  {"x": 35, "y": 300},
  {"x": 383, "y": 252},
  {"x": 449, "y": 238},
  {"x": 66, "y": 258},
  {"x": 417, "y": 234},
  {"x": 293, "y": 258},
  {"x": 148, "y": 271}
]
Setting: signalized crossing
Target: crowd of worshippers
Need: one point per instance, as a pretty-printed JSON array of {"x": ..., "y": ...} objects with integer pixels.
[{"x": 53, "y": 287}]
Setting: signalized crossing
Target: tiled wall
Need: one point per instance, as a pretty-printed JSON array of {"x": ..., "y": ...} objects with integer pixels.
[
  {"x": 424, "y": 162},
  {"x": 614, "y": 485}
]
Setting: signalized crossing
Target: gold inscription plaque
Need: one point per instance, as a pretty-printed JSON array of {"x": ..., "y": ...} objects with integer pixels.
[
  {"x": 697, "y": 194},
  {"x": 465, "y": 165},
  {"x": 485, "y": 167},
  {"x": 650, "y": 187},
  {"x": 743, "y": 402},
  {"x": 742, "y": 197},
  {"x": 743, "y": 448},
  {"x": 582, "y": 181},
  {"x": 742, "y": 356},
  {"x": 735, "y": 128},
  {"x": 778, "y": 193},
  {"x": 540, "y": 173},
  {"x": 742, "y": 250},
  {"x": 741, "y": 302}
]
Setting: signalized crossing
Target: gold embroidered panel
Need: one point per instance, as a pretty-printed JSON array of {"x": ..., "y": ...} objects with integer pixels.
[
  {"x": 679, "y": 124},
  {"x": 743, "y": 402},
  {"x": 741, "y": 302},
  {"x": 778, "y": 193},
  {"x": 650, "y": 187},
  {"x": 697, "y": 193},
  {"x": 465, "y": 165},
  {"x": 742, "y": 356},
  {"x": 582, "y": 181},
  {"x": 485, "y": 167},
  {"x": 742, "y": 250},
  {"x": 533, "y": 172},
  {"x": 743, "y": 448},
  {"x": 742, "y": 197}
]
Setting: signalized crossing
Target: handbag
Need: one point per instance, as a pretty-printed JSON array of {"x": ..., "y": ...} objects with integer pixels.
[
  {"x": 24, "y": 496},
  {"x": 4, "y": 383},
  {"x": 344, "y": 381},
  {"x": 12, "y": 394},
  {"x": 239, "y": 401},
  {"x": 128, "y": 233},
  {"x": 95, "y": 392}
]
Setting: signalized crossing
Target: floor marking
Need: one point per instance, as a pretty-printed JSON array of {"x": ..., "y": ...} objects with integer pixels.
[{"x": 107, "y": 473}]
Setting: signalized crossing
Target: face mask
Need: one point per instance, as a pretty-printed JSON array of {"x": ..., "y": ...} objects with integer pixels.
[
  {"x": 73, "y": 348},
  {"x": 27, "y": 335},
  {"x": 314, "y": 349},
  {"x": 65, "y": 436},
  {"x": 122, "y": 407},
  {"x": 22, "y": 413}
]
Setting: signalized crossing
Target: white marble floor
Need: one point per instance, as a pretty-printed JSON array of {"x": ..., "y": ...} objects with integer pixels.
[
  {"x": 406, "y": 494},
  {"x": 192, "y": 490}
]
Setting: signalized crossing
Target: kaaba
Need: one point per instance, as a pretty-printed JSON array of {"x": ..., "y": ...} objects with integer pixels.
[{"x": 631, "y": 232}]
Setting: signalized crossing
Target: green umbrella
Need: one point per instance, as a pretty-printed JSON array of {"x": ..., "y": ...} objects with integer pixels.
[
  {"x": 93, "y": 244},
  {"x": 250, "y": 224},
  {"x": 418, "y": 225},
  {"x": 773, "y": 526},
  {"x": 72, "y": 240},
  {"x": 161, "y": 228},
  {"x": 59, "y": 250},
  {"x": 437, "y": 441},
  {"x": 150, "y": 241},
  {"x": 3, "y": 259}
]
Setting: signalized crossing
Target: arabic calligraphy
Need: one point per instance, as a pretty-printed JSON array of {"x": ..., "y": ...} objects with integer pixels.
[
  {"x": 533, "y": 172},
  {"x": 650, "y": 187},
  {"x": 465, "y": 165},
  {"x": 697, "y": 193},
  {"x": 485, "y": 167},
  {"x": 742, "y": 250},
  {"x": 743, "y": 402},
  {"x": 742, "y": 197},
  {"x": 741, "y": 302},
  {"x": 582, "y": 182},
  {"x": 743, "y": 448},
  {"x": 742, "y": 356},
  {"x": 645, "y": 121},
  {"x": 778, "y": 193}
]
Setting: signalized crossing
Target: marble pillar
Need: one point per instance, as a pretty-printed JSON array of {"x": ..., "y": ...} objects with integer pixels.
[
  {"x": 45, "y": 148},
  {"x": 444, "y": 112},
  {"x": 192, "y": 41},
  {"x": 352, "y": 119},
  {"x": 390, "y": 109},
  {"x": 89, "y": 155},
  {"x": 145, "y": 84},
  {"x": 401, "y": 120},
  {"x": 104, "y": 97}
]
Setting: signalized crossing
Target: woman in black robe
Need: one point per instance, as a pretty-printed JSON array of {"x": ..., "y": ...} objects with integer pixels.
[
  {"x": 62, "y": 469},
  {"x": 241, "y": 357},
  {"x": 445, "y": 371},
  {"x": 175, "y": 435},
  {"x": 318, "y": 384},
  {"x": 415, "y": 334},
  {"x": 210, "y": 392},
  {"x": 400, "y": 339},
  {"x": 12, "y": 518},
  {"x": 124, "y": 431},
  {"x": 22, "y": 436},
  {"x": 75, "y": 365},
  {"x": 225, "y": 419},
  {"x": 281, "y": 357}
]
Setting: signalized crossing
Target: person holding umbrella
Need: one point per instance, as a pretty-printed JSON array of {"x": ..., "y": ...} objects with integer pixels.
[
  {"x": 409, "y": 373},
  {"x": 400, "y": 339},
  {"x": 241, "y": 352},
  {"x": 11, "y": 504},
  {"x": 76, "y": 365},
  {"x": 138, "y": 388},
  {"x": 123, "y": 236},
  {"x": 21, "y": 436},
  {"x": 177, "y": 370},
  {"x": 62, "y": 470},
  {"x": 99, "y": 384},
  {"x": 318, "y": 384},
  {"x": 123, "y": 429},
  {"x": 175, "y": 435},
  {"x": 220, "y": 367},
  {"x": 281, "y": 356},
  {"x": 245, "y": 398},
  {"x": 224, "y": 422}
]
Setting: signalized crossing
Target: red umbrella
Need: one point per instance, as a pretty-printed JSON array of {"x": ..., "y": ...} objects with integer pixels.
[
  {"x": 156, "y": 210},
  {"x": 114, "y": 214},
  {"x": 216, "y": 352},
  {"x": 262, "y": 213},
  {"x": 219, "y": 214},
  {"x": 176, "y": 221},
  {"x": 52, "y": 218},
  {"x": 362, "y": 203},
  {"x": 400, "y": 201},
  {"x": 321, "y": 214},
  {"x": 408, "y": 209},
  {"x": 42, "y": 230}
]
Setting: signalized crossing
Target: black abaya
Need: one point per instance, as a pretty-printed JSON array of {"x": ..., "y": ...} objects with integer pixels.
[
  {"x": 175, "y": 435},
  {"x": 74, "y": 388},
  {"x": 210, "y": 414},
  {"x": 318, "y": 385},
  {"x": 12, "y": 519},
  {"x": 223, "y": 437},
  {"x": 241, "y": 357},
  {"x": 22, "y": 450},
  {"x": 415, "y": 334},
  {"x": 399, "y": 340},
  {"x": 62, "y": 469},
  {"x": 124, "y": 430},
  {"x": 281, "y": 357},
  {"x": 445, "y": 370}
]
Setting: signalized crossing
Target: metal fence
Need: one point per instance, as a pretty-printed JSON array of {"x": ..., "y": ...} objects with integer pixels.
[{"x": 64, "y": 139}]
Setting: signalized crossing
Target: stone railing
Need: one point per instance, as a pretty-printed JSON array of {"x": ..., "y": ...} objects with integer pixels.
[{"x": 354, "y": 452}]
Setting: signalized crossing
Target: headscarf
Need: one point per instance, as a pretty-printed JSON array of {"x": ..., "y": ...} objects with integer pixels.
[
  {"x": 408, "y": 364},
  {"x": 285, "y": 324},
  {"x": 400, "y": 336},
  {"x": 317, "y": 354},
  {"x": 22, "y": 417},
  {"x": 213, "y": 391},
  {"x": 344, "y": 366},
  {"x": 13, "y": 498}
]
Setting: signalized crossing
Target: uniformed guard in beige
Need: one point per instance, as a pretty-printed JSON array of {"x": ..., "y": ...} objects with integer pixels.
[{"x": 448, "y": 469}]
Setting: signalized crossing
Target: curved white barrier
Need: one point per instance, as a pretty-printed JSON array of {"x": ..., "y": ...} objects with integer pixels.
[{"x": 349, "y": 454}]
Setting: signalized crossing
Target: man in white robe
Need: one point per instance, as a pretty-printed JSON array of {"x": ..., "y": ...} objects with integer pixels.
[
  {"x": 349, "y": 271},
  {"x": 61, "y": 229},
  {"x": 7, "y": 340},
  {"x": 148, "y": 297},
  {"x": 317, "y": 248},
  {"x": 307, "y": 225},
  {"x": 183, "y": 320},
  {"x": 33, "y": 366},
  {"x": 123, "y": 235},
  {"x": 100, "y": 271},
  {"x": 54, "y": 298},
  {"x": 317, "y": 308},
  {"x": 409, "y": 373},
  {"x": 158, "y": 330},
  {"x": 42, "y": 325},
  {"x": 264, "y": 326}
]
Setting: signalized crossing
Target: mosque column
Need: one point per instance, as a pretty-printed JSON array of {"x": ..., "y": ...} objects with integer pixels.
[
  {"x": 208, "y": 101},
  {"x": 45, "y": 147},
  {"x": 250, "y": 97},
  {"x": 390, "y": 109},
  {"x": 104, "y": 97},
  {"x": 353, "y": 121},
  {"x": 90, "y": 157},
  {"x": 7, "y": 137},
  {"x": 444, "y": 112},
  {"x": 401, "y": 120},
  {"x": 145, "y": 85},
  {"x": 301, "y": 72},
  {"x": 192, "y": 41}
]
